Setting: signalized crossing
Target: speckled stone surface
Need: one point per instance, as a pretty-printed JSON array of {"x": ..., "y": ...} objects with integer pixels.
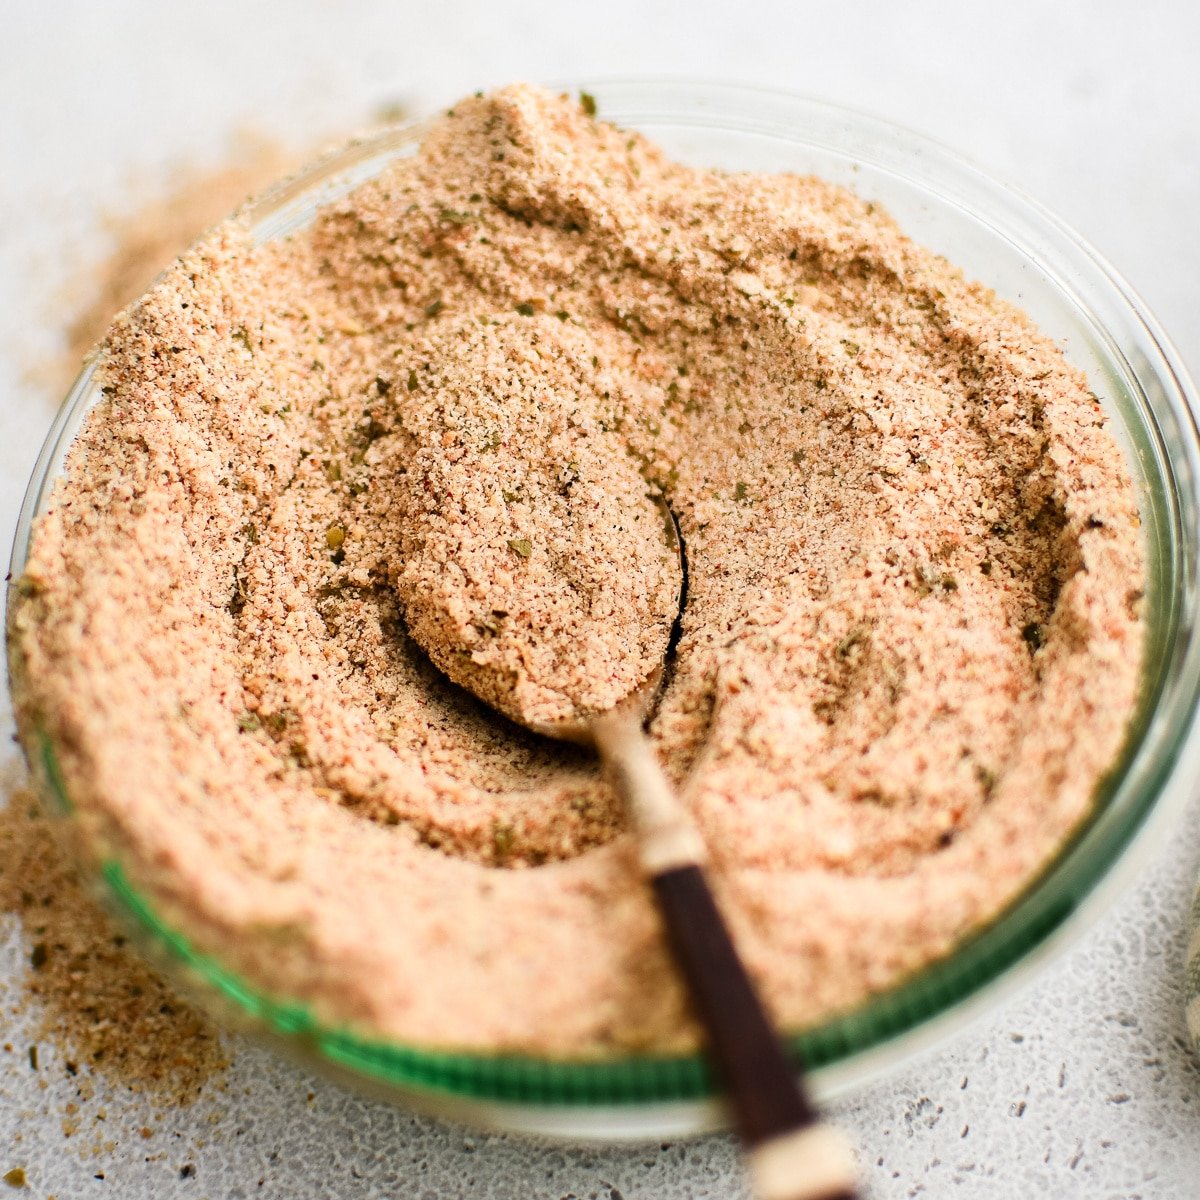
[{"x": 1081, "y": 1086}]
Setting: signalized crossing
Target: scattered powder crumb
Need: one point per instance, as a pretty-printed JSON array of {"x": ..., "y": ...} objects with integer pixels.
[
  {"x": 913, "y": 552},
  {"x": 93, "y": 1002}
]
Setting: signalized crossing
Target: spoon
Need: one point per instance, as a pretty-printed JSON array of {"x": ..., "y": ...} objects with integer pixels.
[{"x": 791, "y": 1154}]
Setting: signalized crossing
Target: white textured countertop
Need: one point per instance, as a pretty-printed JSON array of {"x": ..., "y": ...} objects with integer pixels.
[{"x": 1082, "y": 1085}]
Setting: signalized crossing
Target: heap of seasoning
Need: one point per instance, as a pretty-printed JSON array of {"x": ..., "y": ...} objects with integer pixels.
[{"x": 913, "y": 552}]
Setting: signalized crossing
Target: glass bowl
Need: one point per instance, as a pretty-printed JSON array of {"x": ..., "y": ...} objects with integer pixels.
[{"x": 999, "y": 237}]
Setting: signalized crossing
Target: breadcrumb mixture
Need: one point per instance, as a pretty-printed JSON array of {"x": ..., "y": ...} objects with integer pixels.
[{"x": 909, "y": 653}]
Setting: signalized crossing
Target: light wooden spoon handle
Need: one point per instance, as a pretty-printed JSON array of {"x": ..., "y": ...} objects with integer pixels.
[{"x": 791, "y": 1153}]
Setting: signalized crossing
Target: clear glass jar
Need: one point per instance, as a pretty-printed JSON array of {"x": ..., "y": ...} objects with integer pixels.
[{"x": 999, "y": 237}]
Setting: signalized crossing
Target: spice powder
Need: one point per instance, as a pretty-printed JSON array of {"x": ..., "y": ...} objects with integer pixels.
[{"x": 909, "y": 653}]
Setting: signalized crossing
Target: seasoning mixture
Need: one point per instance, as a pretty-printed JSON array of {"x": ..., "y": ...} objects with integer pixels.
[{"x": 913, "y": 555}]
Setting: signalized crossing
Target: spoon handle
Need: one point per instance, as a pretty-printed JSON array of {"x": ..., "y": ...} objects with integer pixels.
[{"x": 790, "y": 1152}]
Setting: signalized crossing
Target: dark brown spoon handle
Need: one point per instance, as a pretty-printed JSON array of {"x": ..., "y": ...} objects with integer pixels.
[{"x": 791, "y": 1153}]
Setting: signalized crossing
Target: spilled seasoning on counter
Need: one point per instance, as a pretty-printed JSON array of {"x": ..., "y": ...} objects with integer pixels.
[{"x": 90, "y": 1000}]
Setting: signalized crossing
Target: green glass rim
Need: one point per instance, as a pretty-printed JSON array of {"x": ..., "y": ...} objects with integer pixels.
[{"x": 1148, "y": 390}]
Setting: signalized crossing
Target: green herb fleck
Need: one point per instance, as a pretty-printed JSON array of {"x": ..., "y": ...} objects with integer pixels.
[
  {"x": 33, "y": 1057},
  {"x": 237, "y": 601},
  {"x": 588, "y": 103},
  {"x": 240, "y": 334},
  {"x": 858, "y": 636},
  {"x": 563, "y": 315},
  {"x": 413, "y": 382},
  {"x": 250, "y": 533},
  {"x": 432, "y": 310},
  {"x": 986, "y": 566},
  {"x": 248, "y": 722},
  {"x": 37, "y": 959},
  {"x": 333, "y": 471},
  {"x": 525, "y": 309},
  {"x": 454, "y": 218},
  {"x": 502, "y": 841},
  {"x": 741, "y": 493},
  {"x": 335, "y": 535},
  {"x": 277, "y": 722},
  {"x": 523, "y": 546}
]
